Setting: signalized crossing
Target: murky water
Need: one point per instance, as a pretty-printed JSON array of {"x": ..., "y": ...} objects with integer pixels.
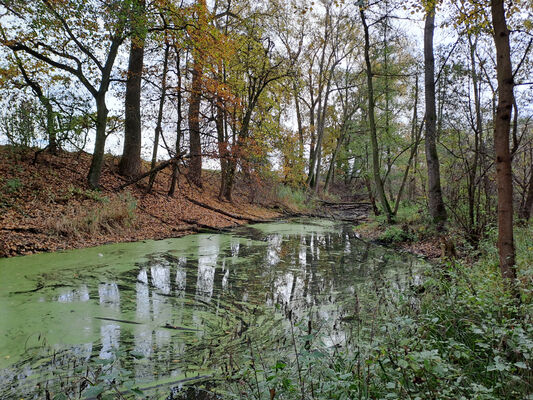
[{"x": 176, "y": 309}]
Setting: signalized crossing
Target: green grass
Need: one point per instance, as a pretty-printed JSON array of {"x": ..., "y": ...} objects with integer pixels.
[{"x": 292, "y": 198}]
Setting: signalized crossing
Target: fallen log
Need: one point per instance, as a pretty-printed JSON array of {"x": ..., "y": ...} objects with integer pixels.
[
  {"x": 160, "y": 167},
  {"x": 227, "y": 214}
]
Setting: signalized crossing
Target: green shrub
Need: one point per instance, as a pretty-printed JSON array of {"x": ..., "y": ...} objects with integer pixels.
[{"x": 397, "y": 234}]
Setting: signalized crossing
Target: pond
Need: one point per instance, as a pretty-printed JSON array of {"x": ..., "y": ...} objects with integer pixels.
[{"x": 174, "y": 311}]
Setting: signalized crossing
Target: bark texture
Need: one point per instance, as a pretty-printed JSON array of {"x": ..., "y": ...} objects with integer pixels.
[
  {"x": 130, "y": 163},
  {"x": 195, "y": 143},
  {"x": 372, "y": 122},
  {"x": 436, "y": 204},
  {"x": 502, "y": 124}
]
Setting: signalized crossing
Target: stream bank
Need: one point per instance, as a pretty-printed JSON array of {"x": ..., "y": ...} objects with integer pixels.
[{"x": 46, "y": 206}]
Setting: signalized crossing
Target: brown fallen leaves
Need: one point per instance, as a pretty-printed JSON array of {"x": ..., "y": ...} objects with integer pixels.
[{"x": 48, "y": 206}]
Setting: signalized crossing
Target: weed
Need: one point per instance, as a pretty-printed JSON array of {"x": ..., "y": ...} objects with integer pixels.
[
  {"x": 12, "y": 185},
  {"x": 292, "y": 198},
  {"x": 458, "y": 336},
  {"x": 115, "y": 214},
  {"x": 87, "y": 194}
]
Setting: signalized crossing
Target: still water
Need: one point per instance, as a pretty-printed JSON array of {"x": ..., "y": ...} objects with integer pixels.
[{"x": 176, "y": 309}]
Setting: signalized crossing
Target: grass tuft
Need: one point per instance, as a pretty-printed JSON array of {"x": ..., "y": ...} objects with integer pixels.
[{"x": 106, "y": 217}]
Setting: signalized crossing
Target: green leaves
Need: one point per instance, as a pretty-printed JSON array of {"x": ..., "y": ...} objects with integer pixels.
[{"x": 94, "y": 391}]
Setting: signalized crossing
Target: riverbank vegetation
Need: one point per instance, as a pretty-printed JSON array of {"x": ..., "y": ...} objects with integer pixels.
[
  {"x": 457, "y": 335},
  {"x": 226, "y": 112}
]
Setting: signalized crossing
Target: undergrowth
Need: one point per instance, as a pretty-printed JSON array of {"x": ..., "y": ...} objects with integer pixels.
[
  {"x": 294, "y": 199},
  {"x": 106, "y": 216}
]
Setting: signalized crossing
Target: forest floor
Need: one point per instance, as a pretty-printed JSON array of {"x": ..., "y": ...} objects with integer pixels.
[{"x": 47, "y": 205}]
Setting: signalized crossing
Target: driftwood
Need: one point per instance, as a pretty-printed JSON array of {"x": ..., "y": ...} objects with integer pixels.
[
  {"x": 166, "y": 326},
  {"x": 204, "y": 226}
]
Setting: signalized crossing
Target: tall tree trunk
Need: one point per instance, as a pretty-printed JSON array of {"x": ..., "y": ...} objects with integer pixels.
[
  {"x": 504, "y": 176},
  {"x": 130, "y": 162},
  {"x": 50, "y": 125},
  {"x": 372, "y": 122},
  {"x": 331, "y": 168},
  {"x": 436, "y": 204},
  {"x": 97, "y": 160},
  {"x": 195, "y": 143},
  {"x": 158, "y": 127},
  {"x": 175, "y": 167},
  {"x": 312, "y": 131},
  {"x": 223, "y": 144},
  {"x": 299, "y": 122}
]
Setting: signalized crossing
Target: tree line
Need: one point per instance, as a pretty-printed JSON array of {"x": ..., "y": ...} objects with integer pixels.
[{"x": 324, "y": 93}]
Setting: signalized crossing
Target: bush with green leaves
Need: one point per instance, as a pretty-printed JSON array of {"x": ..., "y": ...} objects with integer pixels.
[{"x": 397, "y": 234}]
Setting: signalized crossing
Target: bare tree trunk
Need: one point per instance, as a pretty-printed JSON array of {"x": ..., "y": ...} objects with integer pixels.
[
  {"x": 504, "y": 176},
  {"x": 371, "y": 119},
  {"x": 195, "y": 143},
  {"x": 158, "y": 128},
  {"x": 130, "y": 162},
  {"x": 525, "y": 212},
  {"x": 223, "y": 152},
  {"x": 436, "y": 204},
  {"x": 299, "y": 121},
  {"x": 97, "y": 160},
  {"x": 175, "y": 167}
]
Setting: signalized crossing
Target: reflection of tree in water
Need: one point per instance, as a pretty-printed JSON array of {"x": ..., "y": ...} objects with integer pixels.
[
  {"x": 69, "y": 296},
  {"x": 224, "y": 286}
]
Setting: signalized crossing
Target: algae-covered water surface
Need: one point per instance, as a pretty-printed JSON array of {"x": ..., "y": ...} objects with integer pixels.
[{"x": 167, "y": 312}]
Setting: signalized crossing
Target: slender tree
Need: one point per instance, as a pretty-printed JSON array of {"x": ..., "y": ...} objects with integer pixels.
[
  {"x": 436, "y": 203},
  {"x": 504, "y": 174},
  {"x": 372, "y": 122}
]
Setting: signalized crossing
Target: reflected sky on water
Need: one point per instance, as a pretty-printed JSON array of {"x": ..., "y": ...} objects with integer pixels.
[{"x": 182, "y": 304}]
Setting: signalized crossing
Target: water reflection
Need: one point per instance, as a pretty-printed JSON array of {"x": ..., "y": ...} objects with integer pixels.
[
  {"x": 109, "y": 295},
  {"x": 69, "y": 296},
  {"x": 175, "y": 307}
]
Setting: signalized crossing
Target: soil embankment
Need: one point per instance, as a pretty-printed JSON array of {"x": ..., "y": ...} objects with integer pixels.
[{"x": 47, "y": 205}]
